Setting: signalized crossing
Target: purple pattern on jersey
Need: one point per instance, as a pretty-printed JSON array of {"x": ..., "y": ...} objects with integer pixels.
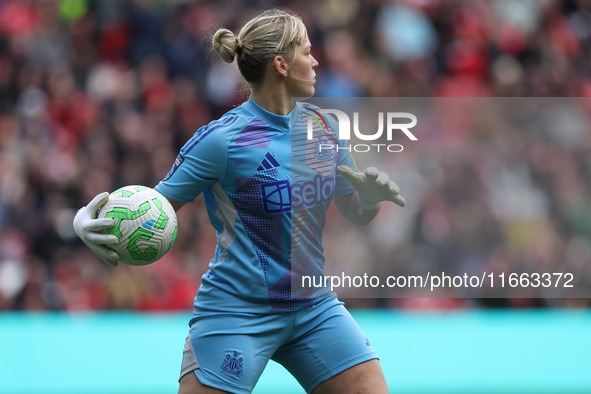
[
  {"x": 254, "y": 134},
  {"x": 264, "y": 230},
  {"x": 280, "y": 295}
]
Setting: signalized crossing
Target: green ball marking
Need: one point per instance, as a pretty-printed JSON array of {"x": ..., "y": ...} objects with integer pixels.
[
  {"x": 124, "y": 192},
  {"x": 147, "y": 255},
  {"x": 173, "y": 239},
  {"x": 163, "y": 218},
  {"x": 121, "y": 214}
]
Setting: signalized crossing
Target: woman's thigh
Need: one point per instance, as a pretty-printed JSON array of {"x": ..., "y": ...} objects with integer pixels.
[
  {"x": 229, "y": 351},
  {"x": 366, "y": 378},
  {"x": 327, "y": 342}
]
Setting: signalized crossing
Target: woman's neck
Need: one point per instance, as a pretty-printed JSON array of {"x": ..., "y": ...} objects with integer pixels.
[{"x": 273, "y": 98}]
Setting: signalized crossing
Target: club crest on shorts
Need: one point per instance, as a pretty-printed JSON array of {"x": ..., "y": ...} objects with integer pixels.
[{"x": 232, "y": 364}]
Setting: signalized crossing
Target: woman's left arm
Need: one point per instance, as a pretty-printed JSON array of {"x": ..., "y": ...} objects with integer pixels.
[{"x": 349, "y": 207}]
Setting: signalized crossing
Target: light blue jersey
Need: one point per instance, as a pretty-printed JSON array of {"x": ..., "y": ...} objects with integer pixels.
[{"x": 267, "y": 188}]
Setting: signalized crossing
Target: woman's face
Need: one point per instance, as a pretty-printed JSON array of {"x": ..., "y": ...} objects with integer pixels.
[{"x": 302, "y": 75}]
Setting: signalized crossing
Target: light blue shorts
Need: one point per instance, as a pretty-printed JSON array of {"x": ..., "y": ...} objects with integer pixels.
[{"x": 229, "y": 351}]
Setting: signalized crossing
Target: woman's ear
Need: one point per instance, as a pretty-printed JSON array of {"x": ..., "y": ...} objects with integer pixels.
[{"x": 281, "y": 66}]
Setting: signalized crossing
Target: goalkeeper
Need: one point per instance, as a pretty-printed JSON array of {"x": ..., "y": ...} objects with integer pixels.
[{"x": 246, "y": 311}]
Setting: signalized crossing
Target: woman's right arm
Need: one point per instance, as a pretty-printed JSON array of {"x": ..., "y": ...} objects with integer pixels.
[{"x": 176, "y": 204}]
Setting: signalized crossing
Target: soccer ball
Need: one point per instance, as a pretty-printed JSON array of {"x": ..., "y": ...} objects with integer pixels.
[{"x": 146, "y": 224}]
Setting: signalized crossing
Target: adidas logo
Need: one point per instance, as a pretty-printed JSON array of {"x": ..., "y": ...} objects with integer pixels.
[{"x": 268, "y": 162}]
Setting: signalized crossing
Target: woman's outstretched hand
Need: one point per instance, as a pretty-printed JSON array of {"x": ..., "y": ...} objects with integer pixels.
[{"x": 373, "y": 186}]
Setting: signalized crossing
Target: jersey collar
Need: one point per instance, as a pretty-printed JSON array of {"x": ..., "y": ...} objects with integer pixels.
[{"x": 281, "y": 122}]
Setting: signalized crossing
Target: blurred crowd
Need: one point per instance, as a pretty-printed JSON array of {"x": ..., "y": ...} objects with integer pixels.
[{"x": 95, "y": 95}]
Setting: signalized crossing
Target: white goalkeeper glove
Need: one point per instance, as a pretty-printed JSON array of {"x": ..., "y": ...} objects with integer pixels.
[
  {"x": 88, "y": 229},
  {"x": 373, "y": 186}
]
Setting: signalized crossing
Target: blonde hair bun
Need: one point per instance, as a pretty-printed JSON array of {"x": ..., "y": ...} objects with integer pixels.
[{"x": 225, "y": 44}]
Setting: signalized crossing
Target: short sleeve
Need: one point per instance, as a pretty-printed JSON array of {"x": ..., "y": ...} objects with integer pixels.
[{"x": 200, "y": 162}]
